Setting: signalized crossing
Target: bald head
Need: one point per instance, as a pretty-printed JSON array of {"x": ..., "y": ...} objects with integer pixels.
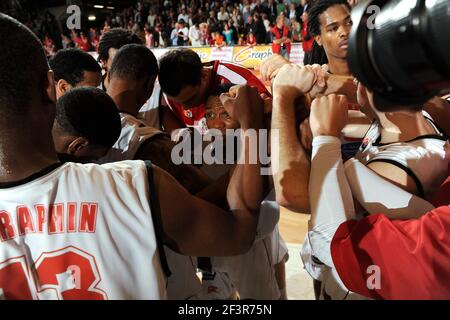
[{"x": 23, "y": 87}]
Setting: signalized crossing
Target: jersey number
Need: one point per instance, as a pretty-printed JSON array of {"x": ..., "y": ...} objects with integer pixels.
[{"x": 68, "y": 274}]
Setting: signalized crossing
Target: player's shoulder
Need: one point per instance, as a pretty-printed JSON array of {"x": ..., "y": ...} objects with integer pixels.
[{"x": 118, "y": 169}]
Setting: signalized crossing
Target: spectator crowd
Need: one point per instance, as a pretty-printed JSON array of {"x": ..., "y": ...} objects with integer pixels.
[{"x": 183, "y": 23}]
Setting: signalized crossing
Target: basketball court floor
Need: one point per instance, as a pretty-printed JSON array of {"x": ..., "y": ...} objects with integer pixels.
[{"x": 293, "y": 227}]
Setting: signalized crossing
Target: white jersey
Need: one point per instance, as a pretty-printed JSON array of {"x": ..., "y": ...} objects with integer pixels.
[
  {"x": 134, "y": 133},
  {"x": 253, "y": 273},
  {"x": 183, "y": 282},
  {"x": 78, "y": 231},
  {"x": 149, "y": 113},
  {"x": 426, "y": 159}
]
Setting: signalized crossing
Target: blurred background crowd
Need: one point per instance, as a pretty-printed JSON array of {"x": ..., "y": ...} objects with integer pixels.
[{"x": 163, "y": 23}]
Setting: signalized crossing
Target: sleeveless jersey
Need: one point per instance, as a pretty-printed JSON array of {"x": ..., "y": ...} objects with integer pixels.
[
  {"x": 426, "y": 158},
  {"x": 75, "y": 231}
]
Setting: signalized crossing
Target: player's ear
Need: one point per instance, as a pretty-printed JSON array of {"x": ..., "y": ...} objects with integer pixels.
[
  {"x": 318, "y": 39},
  {"x": 77, "y": 144},
  {"x": 62, "y": 86},
  {"x": 104, "y": 65}
]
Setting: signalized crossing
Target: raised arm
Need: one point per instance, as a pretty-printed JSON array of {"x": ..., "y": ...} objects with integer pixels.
[
  {"x": 195, "y": 227},
  {"x": 290, "y": 163}
]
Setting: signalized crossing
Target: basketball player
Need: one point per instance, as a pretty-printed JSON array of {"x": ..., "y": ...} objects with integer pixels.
[
  {"x": 110, "y": 43},
  {"x": 131, "y": 79},
  {"x": 86, "y": 126},
  {"x": 404, "y": 147},
  {"x": 186, "y": 83},
  {"x": 90, "y": 231},
  {"x": 74, "y": 68},
  {"x": 130, "y": 82},
  {"x": 260, "y": 273},
  {"x": 374, "y": 245},
  {"x": 401, "y": 162}
]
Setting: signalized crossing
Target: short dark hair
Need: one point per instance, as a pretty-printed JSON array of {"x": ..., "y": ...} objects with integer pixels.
[
  {"x": 90, "y": 113},
  {"x": 179, "y": 68},
  {"x": 223, "y": 88},
  {"x": 115, "y": 38},
  {"x": 70, "y": 64},
  {"x": 319, "y": 7},
  {"x": 318, "y": 54},
  {"x": 19, "y": 86},
  {"x": 134, "y": 61}
]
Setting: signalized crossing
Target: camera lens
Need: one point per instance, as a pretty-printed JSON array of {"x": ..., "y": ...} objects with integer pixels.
[{"x": 400, "y": 50}]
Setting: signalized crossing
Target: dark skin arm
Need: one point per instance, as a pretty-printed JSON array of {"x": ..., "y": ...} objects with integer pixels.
[
  {"x": 216, "y": 192},
  {"x": 158, "y": 150},
  {"x": 195, "y": 227}
]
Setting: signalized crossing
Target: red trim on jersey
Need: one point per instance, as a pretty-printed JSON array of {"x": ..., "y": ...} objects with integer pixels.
[{"x": 192, "y": 115}]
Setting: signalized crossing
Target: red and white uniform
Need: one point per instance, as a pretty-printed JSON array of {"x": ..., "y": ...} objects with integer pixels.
[
  {"x": 78, "y": 231},
  {"x": 223, "y": 73}
]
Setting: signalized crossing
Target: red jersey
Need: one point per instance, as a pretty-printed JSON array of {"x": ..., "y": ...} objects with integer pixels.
[
  {"x": 411, "y": 257},
  {"x": 223, "y": 73}
]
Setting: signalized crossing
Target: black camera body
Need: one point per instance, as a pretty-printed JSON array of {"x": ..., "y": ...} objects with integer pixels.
[{"x": 400, "y": 50}]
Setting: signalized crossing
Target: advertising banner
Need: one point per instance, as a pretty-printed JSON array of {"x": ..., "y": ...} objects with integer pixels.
[
  {"x": 247, "y": 56},
  {"x": 250, "y": 57}
]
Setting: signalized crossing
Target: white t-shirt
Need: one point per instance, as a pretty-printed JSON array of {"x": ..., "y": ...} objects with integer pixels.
[
  {"x": 185, "y": 32},
  {"x": 151, "y": 20},
  {"x": 194, "y": 36},
  {"x": 253, "y": 273}
]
